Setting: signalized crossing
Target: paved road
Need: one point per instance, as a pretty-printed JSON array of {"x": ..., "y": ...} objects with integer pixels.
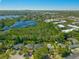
[
  {"x": 17, "y": 56},
  {"x": 74, "y": 56}
]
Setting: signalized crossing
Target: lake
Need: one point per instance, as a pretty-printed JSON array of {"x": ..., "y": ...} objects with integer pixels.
[
  {"x": 18, "y": 24},
  {"x": 21, "y": 24},
  {"x": 10, "y": 16}
]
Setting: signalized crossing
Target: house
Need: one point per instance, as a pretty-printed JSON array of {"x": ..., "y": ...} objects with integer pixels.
[
  {"x": 73, "y": 26},
  {"x": 61, "y": 26},
  {"x": 72, "y": 17},
  {"x": 68, "y": 30},
  {"x": 51, "y": 20},
  {"x": 29, "y": 46},
  {"x": 73, "y": 40},
  {"x": 18, "y": 46}
]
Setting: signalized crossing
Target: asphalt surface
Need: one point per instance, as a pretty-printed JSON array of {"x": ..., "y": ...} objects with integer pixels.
[{"x": 74, "y": 56}]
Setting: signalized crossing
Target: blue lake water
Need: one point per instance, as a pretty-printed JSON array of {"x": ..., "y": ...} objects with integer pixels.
[
  {"x": 21, "y": 24},
  {"x": 18, "y": 24},
  {"x": 10, "y": 16}
]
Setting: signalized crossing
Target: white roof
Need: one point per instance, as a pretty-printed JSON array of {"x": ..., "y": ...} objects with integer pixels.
[
  {"x": 48, "y": 20},
  {"x": 63, "y": 21},
  {"x": 61, "y": 26},
  {"x": 74, "y": 26},
  {"x": 51, "y": 20},
  {"x": 49, "y": 45},
  {"x": 68, "y": 30}
]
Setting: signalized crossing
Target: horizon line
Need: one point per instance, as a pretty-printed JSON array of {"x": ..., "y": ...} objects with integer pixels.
[{"x": 45, "y": 9}]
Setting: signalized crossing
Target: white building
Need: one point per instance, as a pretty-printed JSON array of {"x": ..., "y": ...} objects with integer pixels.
[
  {"x": 73, "y": 26},
  {"x": 61, "y": 26},
  {"x": 51, "y": 20},
  {"x": 68, "y": 30}
]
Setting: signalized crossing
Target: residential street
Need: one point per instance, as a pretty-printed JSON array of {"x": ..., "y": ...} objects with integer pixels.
[{"x": 74, "y": 56}]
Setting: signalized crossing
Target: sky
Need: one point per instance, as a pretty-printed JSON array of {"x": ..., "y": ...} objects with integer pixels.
[{"x": 39, "y": 4}]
